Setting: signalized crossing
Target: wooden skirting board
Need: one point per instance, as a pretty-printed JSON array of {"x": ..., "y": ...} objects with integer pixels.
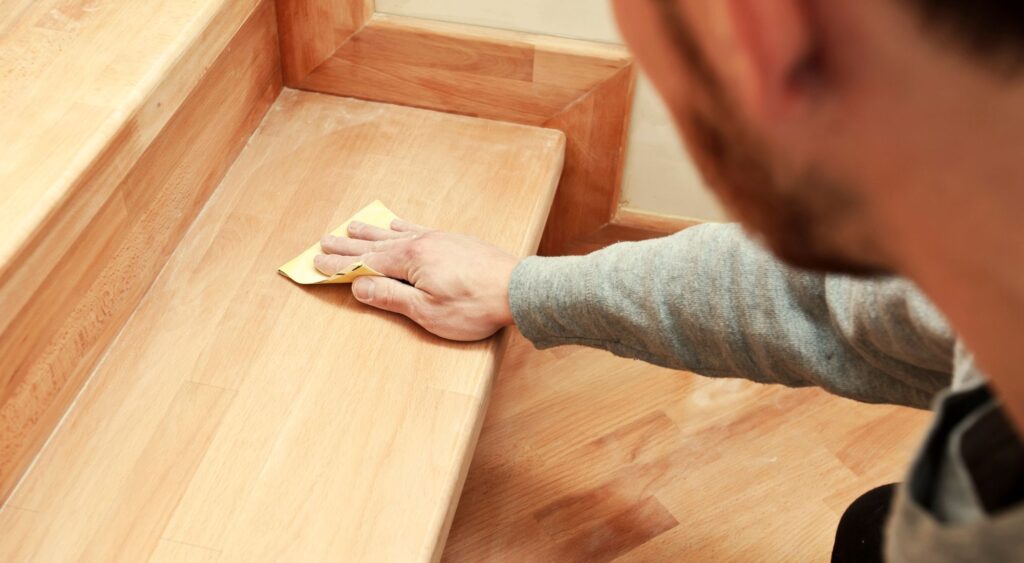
[
  {"x": 629, "y": 225},
  {"x": 652, "y": 223},
  {"x": 68, "y": 289},
  {"x": 582, "y": 88}
]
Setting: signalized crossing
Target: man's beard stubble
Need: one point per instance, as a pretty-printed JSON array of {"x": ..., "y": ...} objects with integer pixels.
[{"x": 799, "y": 219}]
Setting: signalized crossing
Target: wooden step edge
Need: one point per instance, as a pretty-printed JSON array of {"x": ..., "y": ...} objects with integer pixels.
[{"x": 69, "y": 288}]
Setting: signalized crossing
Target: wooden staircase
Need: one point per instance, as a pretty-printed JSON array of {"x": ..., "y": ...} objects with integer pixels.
[{"x": 164, "y": 394}]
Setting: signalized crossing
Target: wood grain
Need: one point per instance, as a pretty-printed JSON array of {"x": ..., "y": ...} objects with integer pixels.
[
  {"x": 312, "y": 30},
  {"x": 583, "y": 89},
  {"x": 253, "y": 419},
  {"x": 587, "y": 457},
  {"x": 80, "y": 279}
]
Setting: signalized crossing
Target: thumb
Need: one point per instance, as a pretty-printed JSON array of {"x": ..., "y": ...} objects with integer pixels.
[{"x": 390, "y": 295}]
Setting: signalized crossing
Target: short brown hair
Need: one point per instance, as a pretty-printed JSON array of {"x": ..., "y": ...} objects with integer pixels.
[{"x": 990, "y": 30}]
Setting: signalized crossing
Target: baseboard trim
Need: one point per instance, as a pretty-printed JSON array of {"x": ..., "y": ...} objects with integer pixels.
[{"x": 657, "y": 225}]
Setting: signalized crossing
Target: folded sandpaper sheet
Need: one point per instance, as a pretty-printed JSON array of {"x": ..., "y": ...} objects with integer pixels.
[{"x": 302, "y": 270}]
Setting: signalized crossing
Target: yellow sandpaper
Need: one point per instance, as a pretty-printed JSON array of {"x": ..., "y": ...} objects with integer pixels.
[{"x": 301, "y": 269}]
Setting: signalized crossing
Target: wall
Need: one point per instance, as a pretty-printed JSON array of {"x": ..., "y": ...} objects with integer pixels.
[{"x": 659, "y": 177}]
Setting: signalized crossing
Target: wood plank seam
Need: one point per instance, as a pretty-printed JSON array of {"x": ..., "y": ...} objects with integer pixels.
[{"x": 203, "y": 547}]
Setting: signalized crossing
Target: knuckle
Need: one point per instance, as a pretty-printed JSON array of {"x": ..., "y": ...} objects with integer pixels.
[
  {"x": 371, "y": 260},
  {"x": 421, "y": 313},
  {"x": 385, "y": 295},
  {"x": 413, "y": 251},
  {"x": 339, "y": 244},
  {"x": 336, "y": 245},
  {"x": 421, "y": 244},
  {"x": 327, "y": 262},
  {"x": 414, "y": 311}
]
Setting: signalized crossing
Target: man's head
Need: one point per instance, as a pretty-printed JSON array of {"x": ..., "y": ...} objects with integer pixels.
[{"x": 822, "y": 124}]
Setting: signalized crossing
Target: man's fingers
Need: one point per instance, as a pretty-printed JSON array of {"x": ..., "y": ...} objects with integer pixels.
[
  {"x": 393, "y": 262},
  {"x": 330, "y": 264},
  {"x": 362, "y": 231},
  {"x": 354, "y": 247},
  {"x": 403, "y": 226},
  {"x": 345, "y": 246},
  {"x": 391, "y": 295},
  {"x": 394, "y": 259}
]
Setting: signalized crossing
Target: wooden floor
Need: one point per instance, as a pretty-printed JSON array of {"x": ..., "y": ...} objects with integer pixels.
[{"x": 589, "y": 457}]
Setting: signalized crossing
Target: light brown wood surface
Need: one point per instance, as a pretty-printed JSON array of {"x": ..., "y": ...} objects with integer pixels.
[
  {"x": 83, "y": 79},
  {"x": 587, "y": 457},
  {"x": 243, "y": 415},
  {"x": 67, "y": 291},
  {"x": 311, "y": 30},
  {"x": 582, "y": 88}
]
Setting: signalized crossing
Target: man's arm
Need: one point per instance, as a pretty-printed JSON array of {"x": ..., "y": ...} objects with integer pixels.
[
  {"x": 710, "y": 300},
  {"x": 707, "y": 299}
]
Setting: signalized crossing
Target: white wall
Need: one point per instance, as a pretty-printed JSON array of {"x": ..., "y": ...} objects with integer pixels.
[{"x": 659, "y": 177}]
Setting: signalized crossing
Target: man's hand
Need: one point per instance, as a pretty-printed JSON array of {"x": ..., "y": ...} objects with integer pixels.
[{"x": 459, "y": 285}]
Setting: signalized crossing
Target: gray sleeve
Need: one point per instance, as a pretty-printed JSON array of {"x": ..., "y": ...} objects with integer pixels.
[{"x": 711, "y": 301}]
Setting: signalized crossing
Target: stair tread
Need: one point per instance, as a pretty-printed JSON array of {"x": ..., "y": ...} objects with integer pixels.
[
  {"x": 85, "y": 87},
  {"x": 243, "y": 414}
]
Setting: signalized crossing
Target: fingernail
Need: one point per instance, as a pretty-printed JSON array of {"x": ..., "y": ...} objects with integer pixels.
[
  {"x": 319, "y": 262},
  {"x": 355, "y": 226},
  {"x": 363, "y": 288}
]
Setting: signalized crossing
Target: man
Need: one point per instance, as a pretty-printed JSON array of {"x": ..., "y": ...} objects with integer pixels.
[{"x": 868, "y": 138}]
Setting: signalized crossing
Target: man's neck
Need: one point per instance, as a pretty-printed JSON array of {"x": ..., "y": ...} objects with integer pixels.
[{"x": 961, "y": 239}]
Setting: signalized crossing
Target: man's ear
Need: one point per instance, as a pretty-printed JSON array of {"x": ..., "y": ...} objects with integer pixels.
[{"x": 764, "y": 48}]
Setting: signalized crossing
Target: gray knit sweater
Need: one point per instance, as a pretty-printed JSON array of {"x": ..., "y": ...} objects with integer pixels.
[{"x": 711, "y": 301}]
